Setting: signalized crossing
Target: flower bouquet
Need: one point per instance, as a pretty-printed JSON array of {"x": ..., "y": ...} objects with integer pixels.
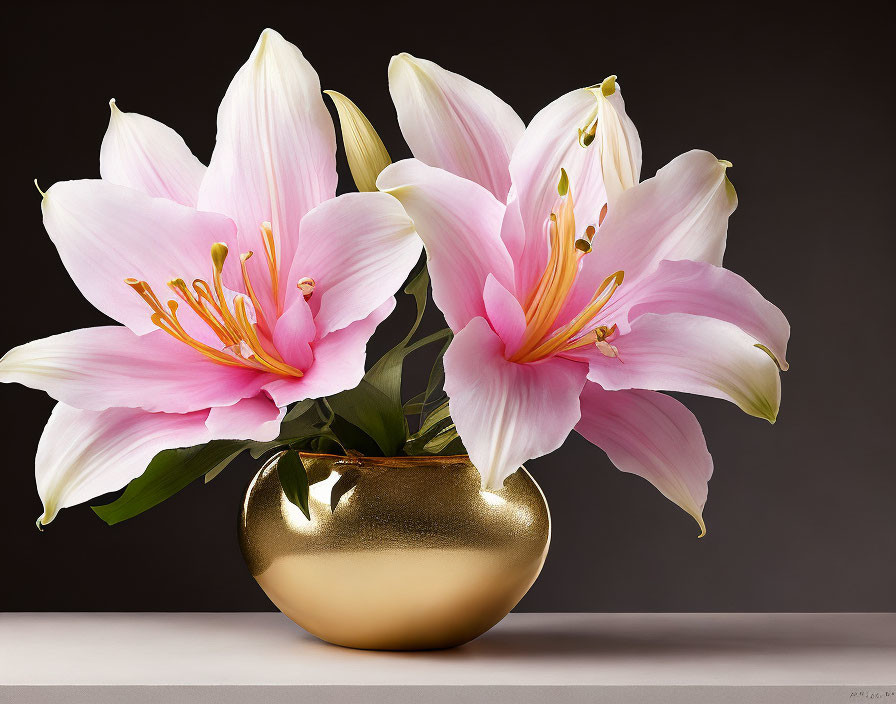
[{"x": 246, "y": 292}]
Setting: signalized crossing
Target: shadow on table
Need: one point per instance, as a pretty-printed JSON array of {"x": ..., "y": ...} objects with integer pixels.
[{"x": 667, "y": 641}]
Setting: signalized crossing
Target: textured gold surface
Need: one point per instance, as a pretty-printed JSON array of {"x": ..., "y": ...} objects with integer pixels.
[{"x": 414, "y": 556}]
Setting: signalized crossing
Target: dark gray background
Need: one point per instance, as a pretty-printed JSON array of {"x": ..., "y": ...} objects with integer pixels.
[{"x": 801, "y": 515}]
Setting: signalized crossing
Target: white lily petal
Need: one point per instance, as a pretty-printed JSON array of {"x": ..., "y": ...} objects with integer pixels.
[
  {"x": 618, "y": 141},
  {"x": 84, "y": 454},
  {"x": 453, "y": 123},
  {"x": 142, "y": 153},
  {"x": 104, "y": 367},
  {"x": 275, "y": 157},
  {"x": 106, "y": 233}
]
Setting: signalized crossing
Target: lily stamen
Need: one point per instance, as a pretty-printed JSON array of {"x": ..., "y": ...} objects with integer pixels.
[
  {"x": 558, "y": 340},
  {"x": 236, "y": 329},
  {"x": 259, "y": 310},
  {"x": 550, "y": 295},
  {"x": 164, "y": 321},
  {"x": 270, "y": 250},
  {"x": 179, "y": 286}
]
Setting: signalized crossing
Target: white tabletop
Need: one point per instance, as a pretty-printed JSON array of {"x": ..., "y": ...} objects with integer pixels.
[{"x": 264, "y": 657}]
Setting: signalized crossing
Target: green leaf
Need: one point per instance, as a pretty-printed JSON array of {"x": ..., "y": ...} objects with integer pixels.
[
  {"x": 414, "y": 406},
  {"x": 299, "y": 409},
  {"x": 440, "y": 441},
  {"x": 294, "y": 480},
  {"x": 167, "y": 473},
  {"x": 343, "y": 485},
  {"x": 220, "y": 467},
  {"x": 302, "y": 419},
  {"x": 435, "y": 393},
  {"x": 385, "y": 375},
  {"x": 325, "y": 445},
  {"x": 259, "y": 450},
  {"x": 369, "y": 409},
  {"x": 440, "y": 414},
  {"x": 375, "y": 406},
  {"x": 455, "y": 447},
  {"x": 442, "y": 334},
  {"x": 351, "y": 437},
  {"x": 435, "y": 423},
  {"x": 301, "y": 425}
]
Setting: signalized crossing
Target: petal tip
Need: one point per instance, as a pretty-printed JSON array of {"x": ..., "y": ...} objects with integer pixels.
[
  {"x": 725, "y": 164},
  {"x": 697, "y": 515},
  {"x": 43, "y": 194},
  {"x": 267, "y": 37},
  {"x": 768, "y": 412},
  {"x": 269, "y": 33},
  {"x": 407, "y": 60}
]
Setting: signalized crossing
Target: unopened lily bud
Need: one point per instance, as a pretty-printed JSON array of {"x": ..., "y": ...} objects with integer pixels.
[{"x": 367, "y": 155}]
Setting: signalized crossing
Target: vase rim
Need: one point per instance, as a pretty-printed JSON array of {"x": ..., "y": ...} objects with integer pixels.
[{"x": 397, "y": 459}]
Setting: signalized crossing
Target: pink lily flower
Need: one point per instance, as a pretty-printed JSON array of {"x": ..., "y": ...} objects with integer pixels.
[
  {"x": 240, "y": 288},
  {"x": 575, "y": 292}
]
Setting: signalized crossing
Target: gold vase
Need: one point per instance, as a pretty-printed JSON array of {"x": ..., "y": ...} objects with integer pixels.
[{"x": 401, "y": 553}]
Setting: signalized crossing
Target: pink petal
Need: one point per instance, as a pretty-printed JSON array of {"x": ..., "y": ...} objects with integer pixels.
[
  {"x": 703, "y": 289},
  {"x": 551, "y": 142},
  {"x": 107, "y": 233},
  {"x": 453, "y": 123},
  {"x": 508, "y": 413},
  {"x": 98, "y": 368},
  {"x": 83, "y": 454},
  {"x": 654, "y": 436},
  {"x": 141, "y": 153},
  {"x": 338, "y": 362},
  {"x": 256, "y": 418},
  {"x": 681, "y": 213},
  {"x": 505, "y": 314},
  {"x": 294, "y": 333},
  {"x": 275, "y": 155},
  {"x": 513, "y": 235},
  {"x": 460, "y": 225},
  {"x": 693, "y": 354},
  {"x": 359, "y": 248}
]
